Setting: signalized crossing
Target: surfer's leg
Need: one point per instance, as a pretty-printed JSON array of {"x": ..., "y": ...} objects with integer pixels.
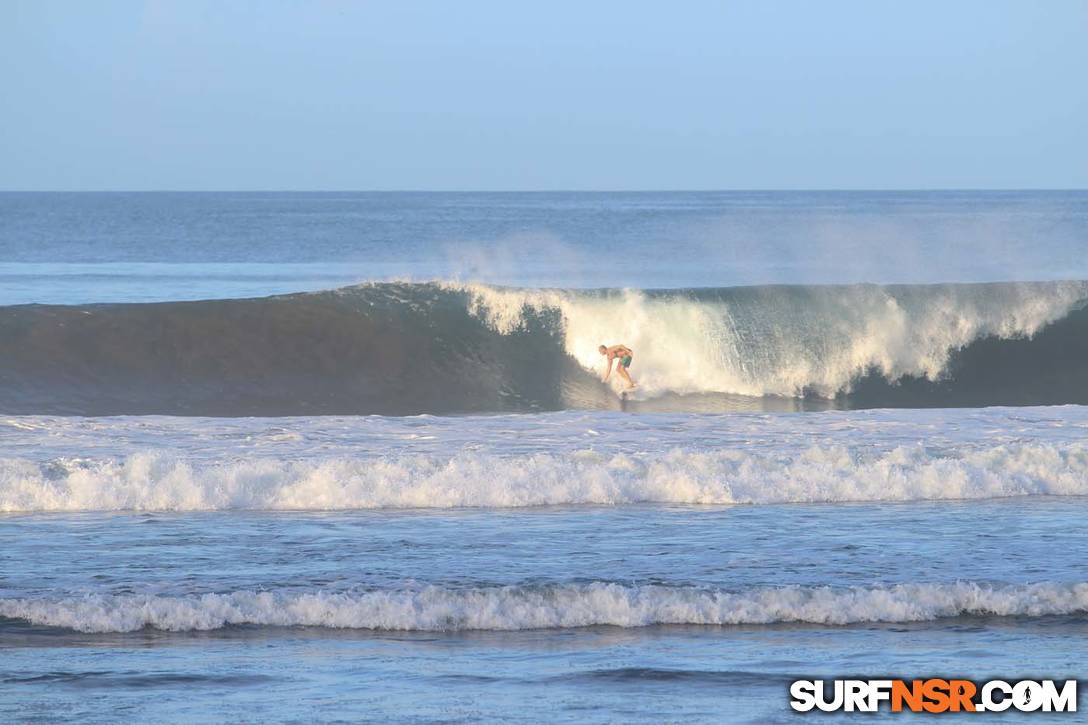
[{"x": 623, "y": 373}]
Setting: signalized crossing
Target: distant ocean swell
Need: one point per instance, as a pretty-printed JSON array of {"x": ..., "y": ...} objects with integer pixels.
[
  {"x": 438, "y": 608},
  {"x": 157, "y": 481},
  {"x": 399, "y": 348}
]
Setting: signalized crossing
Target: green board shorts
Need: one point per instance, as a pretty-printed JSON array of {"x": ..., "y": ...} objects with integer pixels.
[{"x": 626, "y": 361}]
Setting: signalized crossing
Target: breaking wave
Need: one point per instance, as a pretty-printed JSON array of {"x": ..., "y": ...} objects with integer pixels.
[
  {"x": 399, "y": 348},
  {"x": 161, "y": 482},
  {"x": 436, "y": 608}
]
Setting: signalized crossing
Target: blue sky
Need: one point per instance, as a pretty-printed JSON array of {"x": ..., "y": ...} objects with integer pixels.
[{"x": 331, "y": 94}]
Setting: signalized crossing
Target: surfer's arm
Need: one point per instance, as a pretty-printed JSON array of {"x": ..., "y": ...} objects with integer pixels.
[{"x": 608, "y": 372}]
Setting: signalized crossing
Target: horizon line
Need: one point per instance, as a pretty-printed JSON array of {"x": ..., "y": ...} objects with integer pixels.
[{"x": 548, "y": 191}]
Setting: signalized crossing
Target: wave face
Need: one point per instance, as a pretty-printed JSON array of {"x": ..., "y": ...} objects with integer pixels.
[
  {"x": 398, "y": 349},
  {"x": 506, "y": 608},
  {"x": 160, "y": 482}
]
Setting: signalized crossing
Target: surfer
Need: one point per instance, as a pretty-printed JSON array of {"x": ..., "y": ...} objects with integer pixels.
[{"x": 624, "y": 354}]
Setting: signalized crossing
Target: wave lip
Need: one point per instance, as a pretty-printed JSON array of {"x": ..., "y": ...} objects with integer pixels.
[
  {"x": 157, "y": 481},
  {"x": 508, "y": 608},
  {"x": 782, "y": 341}
]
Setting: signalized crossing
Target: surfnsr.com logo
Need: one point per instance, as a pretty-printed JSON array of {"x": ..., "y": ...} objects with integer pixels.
[{"x": 933, "y": 695}]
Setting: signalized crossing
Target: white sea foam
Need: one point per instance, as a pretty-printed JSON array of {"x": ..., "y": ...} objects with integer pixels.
[
  {"x": 435, "y": 608},
  {"x": 160, "y": 481},
  {"x": 773, "y": 341}
]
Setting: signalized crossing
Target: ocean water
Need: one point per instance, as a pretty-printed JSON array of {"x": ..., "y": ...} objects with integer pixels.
[{"x": 313, "y": 457}]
